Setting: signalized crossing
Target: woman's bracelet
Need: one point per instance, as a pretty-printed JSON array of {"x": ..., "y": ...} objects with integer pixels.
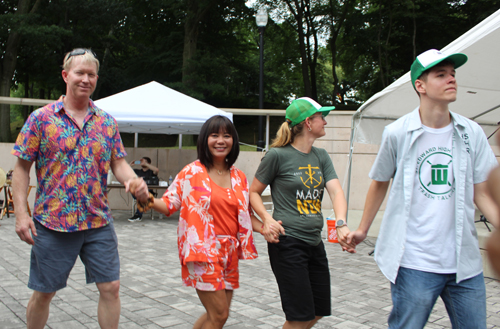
[{"x": 143, "y": 207}]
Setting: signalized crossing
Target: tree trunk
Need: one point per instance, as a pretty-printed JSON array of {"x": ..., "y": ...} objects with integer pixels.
[
  {"x": 195, "y": 12},
  {"x": 8, "y": 66},
  {"x": 190, "y": 42},
  {"x": 302, "y": 46},
  {"x": 312, "y": 69},
  {"x": 333, "y": 46},
  {"x": 313, "y": 55},
  {"x": 103, "y": 63},
  {"x": 414, "y": 36},
  {"x": 386, "y": 49},
  {"x": 26, "y": 108},
  {"x": 379, "y": 46}
]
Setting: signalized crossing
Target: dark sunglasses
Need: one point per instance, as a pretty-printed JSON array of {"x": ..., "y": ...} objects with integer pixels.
[{"x": 81, "y": 51}]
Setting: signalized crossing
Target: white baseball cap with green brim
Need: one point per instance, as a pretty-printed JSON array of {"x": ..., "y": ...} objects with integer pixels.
[
  {"x": 304, "y": 107},
  {"x": 431, "y": 58}
]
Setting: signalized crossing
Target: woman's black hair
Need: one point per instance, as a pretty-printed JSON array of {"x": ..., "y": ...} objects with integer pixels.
[{"x": 216, "y": 124}]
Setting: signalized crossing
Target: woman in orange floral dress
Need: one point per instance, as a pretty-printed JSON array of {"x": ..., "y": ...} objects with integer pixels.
[{"x": 215, "y": 225}]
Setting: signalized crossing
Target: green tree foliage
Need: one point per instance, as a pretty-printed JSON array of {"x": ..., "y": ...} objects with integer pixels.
[
  {"x": 221, "y": 71},
  {"x": 16, "y": 18},
  {"x": 381, "y": 38},
  {"x": 301, "y": 16},
  {"x": 283, "y": 78},
  {"x": 336, "y": 51}
]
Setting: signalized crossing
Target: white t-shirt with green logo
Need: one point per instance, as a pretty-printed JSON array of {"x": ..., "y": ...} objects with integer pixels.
[{"x": 430, "y": 242}]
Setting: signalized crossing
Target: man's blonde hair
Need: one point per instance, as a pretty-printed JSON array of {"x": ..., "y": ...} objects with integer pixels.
[{"x": 86, "y": 55}]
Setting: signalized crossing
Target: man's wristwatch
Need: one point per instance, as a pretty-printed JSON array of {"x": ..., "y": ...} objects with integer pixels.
[{"x": 340, "y": 223}]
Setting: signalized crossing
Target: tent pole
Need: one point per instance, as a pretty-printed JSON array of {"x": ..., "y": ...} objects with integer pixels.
[
  {"x": 180, "y": 141},
  {"x": 349, "y": 163},
  {"x": 136, "y": 140},
  {"x": 485, "y": 112}
]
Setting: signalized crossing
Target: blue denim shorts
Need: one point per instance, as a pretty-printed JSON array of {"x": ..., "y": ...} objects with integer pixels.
[{"x": 54, "y": 255}]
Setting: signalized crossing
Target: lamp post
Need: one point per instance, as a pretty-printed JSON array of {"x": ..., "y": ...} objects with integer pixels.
[{"x": 261, "y": 19}]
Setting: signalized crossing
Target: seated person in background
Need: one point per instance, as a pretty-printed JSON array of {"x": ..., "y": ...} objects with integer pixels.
[{"x": 147, "y": 171}]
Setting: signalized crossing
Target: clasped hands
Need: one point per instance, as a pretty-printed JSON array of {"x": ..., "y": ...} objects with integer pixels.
[
  {"x": 271, "y": 230},
  {"x": 346, "y": 239},
  {"x": 138, "y": 187}
]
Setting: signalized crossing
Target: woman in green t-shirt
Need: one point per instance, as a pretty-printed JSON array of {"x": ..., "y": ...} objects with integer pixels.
[{"x": 298, "y": 173}]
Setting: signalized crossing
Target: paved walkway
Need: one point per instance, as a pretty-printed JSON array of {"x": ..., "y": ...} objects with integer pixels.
[{"x": 152, "y": 295}]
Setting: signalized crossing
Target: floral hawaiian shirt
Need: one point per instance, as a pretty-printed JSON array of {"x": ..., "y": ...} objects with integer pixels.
[
  {"x": 72, "y": 165},
  {"x": 190, "y": 191}
]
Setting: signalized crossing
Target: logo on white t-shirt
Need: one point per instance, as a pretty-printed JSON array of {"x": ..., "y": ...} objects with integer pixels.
[
  {"x": 435, "y": 164},
  {"x": 435, "y": 173}
]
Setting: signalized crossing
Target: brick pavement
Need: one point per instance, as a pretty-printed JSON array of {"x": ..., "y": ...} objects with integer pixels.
[{"x": 152, "y": 295}]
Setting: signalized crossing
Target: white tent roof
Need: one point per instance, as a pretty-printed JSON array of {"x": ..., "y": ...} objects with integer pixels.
[
  {"x": 478, "y": 96},
  {"x": 156, "y": 109}
]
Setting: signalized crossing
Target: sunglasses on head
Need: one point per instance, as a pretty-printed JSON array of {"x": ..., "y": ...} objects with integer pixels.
[{"x": 80, "y": 51}]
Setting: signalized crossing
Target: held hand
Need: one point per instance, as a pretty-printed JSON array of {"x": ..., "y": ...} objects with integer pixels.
[
  {"x": 275, "y": 231},
  {"x": 271, "y": 231},
  {"x": 138, "y": 188},
  {"x": 355, "y": 237},
  {"x": 142, "y": 192},
  {"x": 272, "y": 238},
  {"x": 130, "y": 187},
  {"x": 342, "y": 235},
  {"x": 25, "y": 226}
]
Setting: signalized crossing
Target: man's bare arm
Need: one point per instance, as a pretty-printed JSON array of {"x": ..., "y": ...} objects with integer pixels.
[
  {"x": 20, "y": 183},
  {"x": 374, "y": 198},
  {"x": 484, "y": 202}
]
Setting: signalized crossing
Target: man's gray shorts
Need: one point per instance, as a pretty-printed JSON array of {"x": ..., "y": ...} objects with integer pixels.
[{"x": 54, "y": 255}]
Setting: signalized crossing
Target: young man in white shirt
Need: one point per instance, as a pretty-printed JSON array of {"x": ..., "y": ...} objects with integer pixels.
[{"x": 439, "y": 162}]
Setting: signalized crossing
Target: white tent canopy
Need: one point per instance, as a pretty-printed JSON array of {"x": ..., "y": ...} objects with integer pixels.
[
  {"x": 478, "y": 96},
  {"x": 156, "y": 109}
]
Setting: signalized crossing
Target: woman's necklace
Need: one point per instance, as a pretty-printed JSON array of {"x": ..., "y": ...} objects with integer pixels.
[{"x": 220, "y": 172}]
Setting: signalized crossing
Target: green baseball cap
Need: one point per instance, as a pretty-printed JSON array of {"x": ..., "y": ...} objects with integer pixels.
[
  {"x": 304, "y": 107},
  {"x": 431, "y": 58}
]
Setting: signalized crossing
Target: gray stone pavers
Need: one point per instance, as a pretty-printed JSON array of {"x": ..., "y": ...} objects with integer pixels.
[{"x": 152, "y": 295}]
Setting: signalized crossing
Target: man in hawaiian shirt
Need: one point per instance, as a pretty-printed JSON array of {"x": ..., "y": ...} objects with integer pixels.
[{"x": 73, "y": 144}]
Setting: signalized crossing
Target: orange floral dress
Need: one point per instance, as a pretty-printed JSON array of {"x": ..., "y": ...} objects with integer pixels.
[{"x": 196, "y": 238}]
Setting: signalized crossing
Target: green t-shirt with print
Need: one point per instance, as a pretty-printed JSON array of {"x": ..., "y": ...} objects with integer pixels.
[{"x": 297, "y": 183}]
